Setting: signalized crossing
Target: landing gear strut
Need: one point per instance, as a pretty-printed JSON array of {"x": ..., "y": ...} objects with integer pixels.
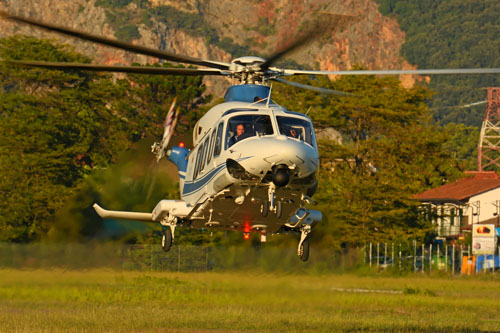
[{"x": 303, "y": 248}]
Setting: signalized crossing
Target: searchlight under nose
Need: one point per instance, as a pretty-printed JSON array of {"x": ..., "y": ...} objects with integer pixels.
[{"x": 281, "y": 175}]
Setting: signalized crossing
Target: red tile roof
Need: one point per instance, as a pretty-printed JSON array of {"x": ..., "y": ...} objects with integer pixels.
[{"x": 475, "y": 183}]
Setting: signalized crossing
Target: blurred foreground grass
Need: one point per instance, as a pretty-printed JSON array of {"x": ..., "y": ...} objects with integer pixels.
[{"x": 101, "y": 300}]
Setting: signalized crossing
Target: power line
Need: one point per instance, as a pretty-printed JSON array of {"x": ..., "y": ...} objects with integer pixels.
[{"x": 460, "y": 106}]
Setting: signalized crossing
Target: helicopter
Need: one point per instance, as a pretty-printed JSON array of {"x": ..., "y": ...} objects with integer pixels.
[{"x": 254, "y": 164}]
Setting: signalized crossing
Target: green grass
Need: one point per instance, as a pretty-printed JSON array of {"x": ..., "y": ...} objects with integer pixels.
[{"x": 100, "y": 300}]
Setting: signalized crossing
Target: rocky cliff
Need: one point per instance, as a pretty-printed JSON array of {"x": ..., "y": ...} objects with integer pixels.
[{"x": 221, "y": 29}]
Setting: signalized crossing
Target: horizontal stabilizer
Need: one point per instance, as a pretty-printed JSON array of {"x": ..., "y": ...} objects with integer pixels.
[{"x": 115, "y": 214}]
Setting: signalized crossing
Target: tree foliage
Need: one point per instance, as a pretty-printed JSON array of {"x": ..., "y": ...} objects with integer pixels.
[
  {"x": 451, "y": 34},
  {"x": 59, "y": 126}
]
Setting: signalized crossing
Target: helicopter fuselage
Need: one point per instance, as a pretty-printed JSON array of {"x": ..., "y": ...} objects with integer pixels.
[
  {"x": 230, "y": 181},
  {"x": 253, "y": 168}
]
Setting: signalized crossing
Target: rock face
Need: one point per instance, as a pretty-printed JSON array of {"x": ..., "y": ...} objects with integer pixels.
[
  {"x": 329, "y": 133},
  {"x": 369, "y": 39}
]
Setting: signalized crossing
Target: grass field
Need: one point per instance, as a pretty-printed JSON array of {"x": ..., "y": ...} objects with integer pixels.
[{"x": 100, "y": 300}]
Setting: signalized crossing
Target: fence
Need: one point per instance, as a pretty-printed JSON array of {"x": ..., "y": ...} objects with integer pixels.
[
  {"x": 148, "y": 257},
  {"x": 144, "y": 257},
  {"x": 179, "y": 258},
  {"x": 404, "y": 257},
  {"x": 428, "y": 257}
]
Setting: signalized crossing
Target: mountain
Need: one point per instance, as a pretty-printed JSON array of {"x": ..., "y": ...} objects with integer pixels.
[
  {"x": 224, "y": 29},
  {"x": 451, "y": 34}
]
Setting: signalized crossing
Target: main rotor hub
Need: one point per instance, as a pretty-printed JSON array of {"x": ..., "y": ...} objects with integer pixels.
[
  {"x": 247, "y": 70},
  {"x": 248, "y": 61}
]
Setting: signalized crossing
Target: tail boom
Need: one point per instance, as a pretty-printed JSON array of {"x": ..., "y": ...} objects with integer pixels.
[{"x": 115, "y": 214}]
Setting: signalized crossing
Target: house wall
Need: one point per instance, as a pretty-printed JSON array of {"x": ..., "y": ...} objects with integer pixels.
[
  {"x": 486, "y": 206},
  {"x": 442, "y": 216}
]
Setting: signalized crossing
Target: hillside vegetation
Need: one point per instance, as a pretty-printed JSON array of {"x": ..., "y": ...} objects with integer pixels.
[
  {"x": 451, "y": 34},
  {"x": 125, "y": 21}
]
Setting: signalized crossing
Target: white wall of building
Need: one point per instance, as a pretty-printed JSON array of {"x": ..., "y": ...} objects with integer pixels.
[{"x": 487, "y": 209}]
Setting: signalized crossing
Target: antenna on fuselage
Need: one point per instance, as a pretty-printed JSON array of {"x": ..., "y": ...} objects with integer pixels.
[{"x": 269, "y": 96}]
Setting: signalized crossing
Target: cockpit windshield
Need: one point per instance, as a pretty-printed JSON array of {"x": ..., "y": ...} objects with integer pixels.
[
  {"x": 244, "y": 126},
  {"x": 297, "y": 128}
]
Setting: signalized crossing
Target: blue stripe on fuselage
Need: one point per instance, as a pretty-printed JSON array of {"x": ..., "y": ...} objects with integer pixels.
[{"x": 194, "y": 186}]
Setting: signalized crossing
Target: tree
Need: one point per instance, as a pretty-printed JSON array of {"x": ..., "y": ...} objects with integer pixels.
[
  {"x": 391, "y": 151},
  {"x": 60, "y": 126}
]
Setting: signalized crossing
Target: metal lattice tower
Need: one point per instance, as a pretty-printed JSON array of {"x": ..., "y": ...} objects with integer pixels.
[{"x": 489, "y": 140}]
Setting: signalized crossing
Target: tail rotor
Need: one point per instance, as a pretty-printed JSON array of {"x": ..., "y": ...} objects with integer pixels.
[{"x": 159, "y": 149}]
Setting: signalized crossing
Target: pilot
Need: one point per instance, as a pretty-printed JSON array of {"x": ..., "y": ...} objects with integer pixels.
[
  {"x": 240, "y": 135},
  {"x": 294, "y": 133}
]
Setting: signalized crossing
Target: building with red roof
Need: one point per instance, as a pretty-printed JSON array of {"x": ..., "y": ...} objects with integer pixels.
[{"x": 453, "y": 207}]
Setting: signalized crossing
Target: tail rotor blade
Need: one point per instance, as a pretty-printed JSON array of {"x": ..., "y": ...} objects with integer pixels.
[{"x": 159, "y": 149}]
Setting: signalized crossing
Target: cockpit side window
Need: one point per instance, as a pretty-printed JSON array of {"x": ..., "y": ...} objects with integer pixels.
[
  {"x": 218, "y": 141},
  {"x": 296, "y": 128},
  {"x": 244, "y": 126}
]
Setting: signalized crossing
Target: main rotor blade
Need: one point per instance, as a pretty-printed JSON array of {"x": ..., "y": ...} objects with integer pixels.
[
  {"x": 120, "y": 69},
  {"x": 313, "y": 88},
  {"x": 318, "y": 29},
  {"x": 153, "y": 181},
  {"x": 396, "y": 71},
  {"x": 116, "y": 43}
]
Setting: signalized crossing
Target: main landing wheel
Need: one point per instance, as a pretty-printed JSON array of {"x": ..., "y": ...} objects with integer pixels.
[
  {"x": 264, "y": 208},
  {"x": 303, "y": 250},
  {"x": 279, "y": 208},
  {"x": 166, "y": 240}
]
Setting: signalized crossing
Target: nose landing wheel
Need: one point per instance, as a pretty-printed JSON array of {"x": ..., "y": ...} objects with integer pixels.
[
  {"x": 264, "y": 208},
  {"x": 271, "y": 204},
  {"x": 278, "y": 209}
]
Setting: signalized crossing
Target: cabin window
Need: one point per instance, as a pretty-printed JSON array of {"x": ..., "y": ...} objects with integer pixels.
[
  {"x": 204, "y": 154},
  {"x": 218, "y": 141},
  {"x": 198, "y": 160},
  {"x": 244, "y": 126},
  {"x": 212, "y": 143},
  {"x": 297, "y": 128}
]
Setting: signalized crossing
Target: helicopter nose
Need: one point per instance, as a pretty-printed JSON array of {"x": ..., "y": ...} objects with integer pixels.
[
  {"x": 297, "y": 155},
  {"x": 281, "y": 155}
]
